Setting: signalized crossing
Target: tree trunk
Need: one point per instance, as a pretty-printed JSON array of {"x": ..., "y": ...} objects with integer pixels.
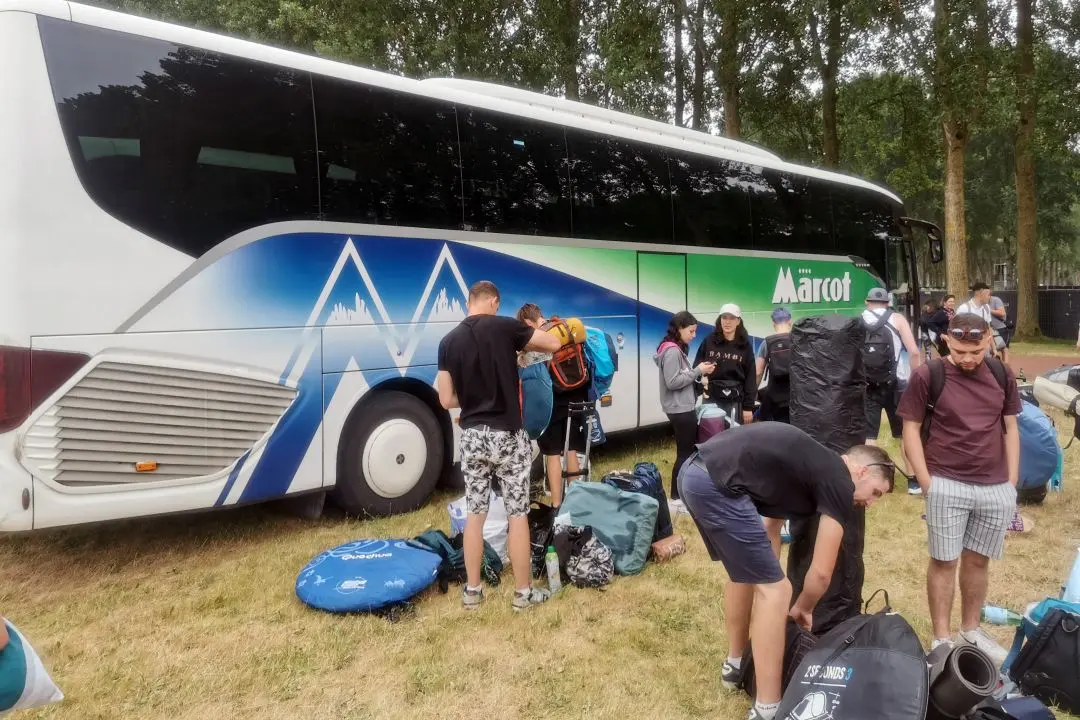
[
  {"x": 680, "y": 92},
  {"x": 956, "y": 138},
  {"x": 571, "y": 50},
  {"x": 1027, "y": 290},
  {"x": 729, "y": 68},
  {"x": 834, "y": 49},
  {"x": 699, "y": 66}
]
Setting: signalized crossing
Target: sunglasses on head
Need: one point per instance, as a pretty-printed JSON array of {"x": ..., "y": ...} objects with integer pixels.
[{"x": 975, "y": 334}]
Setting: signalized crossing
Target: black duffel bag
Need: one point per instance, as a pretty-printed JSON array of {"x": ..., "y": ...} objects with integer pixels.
[{"x": 1048, "y": 666}]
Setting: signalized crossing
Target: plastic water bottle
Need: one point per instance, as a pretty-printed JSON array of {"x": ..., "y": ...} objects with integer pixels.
[
  {"x": 1072, "y": 586},
  {"x": 551, "y": 561},
  {"x": 1000, "y": 616}
]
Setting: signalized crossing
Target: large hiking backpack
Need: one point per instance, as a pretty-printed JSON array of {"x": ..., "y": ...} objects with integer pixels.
[
  {"x": 603, "y": 359},
  {"x": 645, "y": 479},
  {"x": 778, "y": 357},
  {"x": 879, "y": 360},
  {"x": 568, "y": 365},
  {"x": 871, "y": 666},
  {"x": 1046, "y": 667},
  {"x": 937, "y": 384},
  {"x": 452, "y": 552},
  {"x": 797, "y": 643}
]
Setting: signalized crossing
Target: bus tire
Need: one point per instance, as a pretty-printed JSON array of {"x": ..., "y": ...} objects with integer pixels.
[{"x": 390, "y": 457}]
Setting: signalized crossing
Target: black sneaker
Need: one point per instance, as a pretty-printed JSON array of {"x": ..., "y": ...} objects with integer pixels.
[
  {"x": 730, "y": 676},
  {"x": 913, "y": 486}
]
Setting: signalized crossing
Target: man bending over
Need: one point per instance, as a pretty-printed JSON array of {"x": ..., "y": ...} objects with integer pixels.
[{"x": 778, "y": 472}]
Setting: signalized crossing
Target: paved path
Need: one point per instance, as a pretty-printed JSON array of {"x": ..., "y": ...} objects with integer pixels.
[{"x": 1033, "y": 365}]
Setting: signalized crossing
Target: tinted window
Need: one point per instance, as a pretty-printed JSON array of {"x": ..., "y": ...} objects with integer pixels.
[
  {"x": 712, "y": 207},
  {"x": 621, "y": 189},
  {"x": 515, "y": 174},
  {"x": 386, "y": 157},
  {"x": 186, "y": 145},
  {"x": 862, "y": 224}
]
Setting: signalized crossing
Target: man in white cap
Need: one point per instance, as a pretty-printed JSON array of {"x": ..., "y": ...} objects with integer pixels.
[{"x": 888, "y": 334}]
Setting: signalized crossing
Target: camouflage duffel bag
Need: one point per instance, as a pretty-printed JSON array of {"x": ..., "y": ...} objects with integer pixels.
[{"x": 583, "y": 559}]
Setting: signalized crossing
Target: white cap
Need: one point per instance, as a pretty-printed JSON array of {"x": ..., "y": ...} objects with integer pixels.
[{"x": 731, "y": 309}]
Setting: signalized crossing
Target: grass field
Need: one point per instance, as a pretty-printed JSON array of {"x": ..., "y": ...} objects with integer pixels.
[{"x": 195, "y": 617}]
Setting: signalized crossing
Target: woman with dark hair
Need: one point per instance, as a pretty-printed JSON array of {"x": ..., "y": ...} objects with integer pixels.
[
  {"x": 733, "y": 384},
  {"x": 677, "y": 395}
]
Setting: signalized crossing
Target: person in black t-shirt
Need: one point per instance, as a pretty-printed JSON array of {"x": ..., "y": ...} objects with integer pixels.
[
  {"x": 478, "y": 373},
  {"x": 776, "y": 471}
]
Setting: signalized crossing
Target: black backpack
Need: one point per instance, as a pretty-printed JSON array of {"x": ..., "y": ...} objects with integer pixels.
[
  {"x": 452, "y": 552},
  {"x": 937, "y": 384},
  {"x": 871, "y": 666},
  {"x": 879, "y": 360},
  {"x": 778, "y": 359},
  {"x": 1048, "y": 666},
  {"x": 797, "y": 643}
]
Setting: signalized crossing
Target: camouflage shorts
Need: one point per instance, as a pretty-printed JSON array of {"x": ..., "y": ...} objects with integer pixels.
[{"x": 488, "y": 454}]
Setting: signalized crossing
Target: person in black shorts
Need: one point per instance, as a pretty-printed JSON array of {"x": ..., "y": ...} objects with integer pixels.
[
  {"x": 776, "y": 471},
  {"x": 478, "y": 373},
  {"x": 552, "y": 442}
]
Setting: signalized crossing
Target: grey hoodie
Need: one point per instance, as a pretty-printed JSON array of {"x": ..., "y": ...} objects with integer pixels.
[{"x": 677, "y": 380}]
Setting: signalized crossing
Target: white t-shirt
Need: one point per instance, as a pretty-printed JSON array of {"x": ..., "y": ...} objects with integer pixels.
[
  {"x": 981, "y": 310},
  {"x": 903, "y": 364}
]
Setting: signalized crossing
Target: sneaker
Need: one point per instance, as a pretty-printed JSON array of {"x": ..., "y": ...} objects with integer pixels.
[
  {"x": 535, "y": 597},
  {"x": 471, "y": 599},
  {"x": 730, "y": 676},
  {"x": 978, "y": 638},
  {"x": 913, "y": 487},
  {"x": 938, "y": 642},
  {"x": 755, "y": 715}
]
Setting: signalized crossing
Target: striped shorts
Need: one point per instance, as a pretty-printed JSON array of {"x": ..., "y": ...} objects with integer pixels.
[{"x": 970, "y": 516}]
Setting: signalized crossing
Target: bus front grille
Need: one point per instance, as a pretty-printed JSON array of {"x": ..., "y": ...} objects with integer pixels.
[{"x": 184, "y": 423}]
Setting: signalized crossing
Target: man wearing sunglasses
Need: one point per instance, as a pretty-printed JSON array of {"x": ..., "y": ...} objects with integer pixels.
[
  {"x": 776, "y": 471},
  {"x": 967, "y": 463}
]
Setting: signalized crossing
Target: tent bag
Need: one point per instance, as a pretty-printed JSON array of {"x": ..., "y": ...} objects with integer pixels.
[{"x": 624, "y": 521}]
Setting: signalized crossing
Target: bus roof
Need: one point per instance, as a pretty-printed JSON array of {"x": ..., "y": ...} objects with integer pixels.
[{"x": 489, "y": 96}]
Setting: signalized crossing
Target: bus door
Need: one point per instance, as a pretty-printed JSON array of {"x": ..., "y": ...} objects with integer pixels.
[{"x": 661, "y": 294}]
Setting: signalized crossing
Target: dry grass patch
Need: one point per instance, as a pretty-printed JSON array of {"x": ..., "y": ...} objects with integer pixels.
[{"x": 195, "y": 617}]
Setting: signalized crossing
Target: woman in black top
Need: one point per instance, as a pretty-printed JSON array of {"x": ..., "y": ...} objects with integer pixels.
[{"x": 733, "y": 384}]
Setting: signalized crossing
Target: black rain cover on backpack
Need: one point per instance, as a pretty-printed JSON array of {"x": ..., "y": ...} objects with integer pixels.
[
  {"x": 827, "y": 381},
  {"x": 827, "y": 395},
  {"x": 778, "y": 363},
  {"x": 871, "y": 666}
]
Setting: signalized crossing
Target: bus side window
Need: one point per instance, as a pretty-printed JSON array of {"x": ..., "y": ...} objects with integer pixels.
[
  {"x": 186, "y": 145},
  {"x": 515, "y": 174},
  {"x": 386, "y": 157},
  {"x": 862, "y": 224},
  {"x": 712, "y": 208},
  {"x": 621, "y": 189}
]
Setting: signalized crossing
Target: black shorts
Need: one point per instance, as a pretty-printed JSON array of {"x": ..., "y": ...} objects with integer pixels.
[
  {"x": 553, "y": 439},
  {"x": 878, "y": 398},
  {"x": 730, "y": 527}
]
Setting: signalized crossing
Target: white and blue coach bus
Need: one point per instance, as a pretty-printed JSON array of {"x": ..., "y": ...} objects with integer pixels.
[{"x": 225, "y": 268}]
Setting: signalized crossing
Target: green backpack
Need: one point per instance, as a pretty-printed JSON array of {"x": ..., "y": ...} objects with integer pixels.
[{"x": 452, "y": 568}]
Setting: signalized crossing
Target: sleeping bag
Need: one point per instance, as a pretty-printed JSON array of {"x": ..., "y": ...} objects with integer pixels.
[
  {"x": 366, "y": 575},
  {"x": 827, "y": 391},
  {"x": 623, "y": 521},
  {"x": 24, "y": 681},
  {"x": 1040, "y": 452}
]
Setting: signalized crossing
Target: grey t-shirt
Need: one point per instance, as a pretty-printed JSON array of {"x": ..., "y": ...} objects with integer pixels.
[{"x": 996, "y": 303}]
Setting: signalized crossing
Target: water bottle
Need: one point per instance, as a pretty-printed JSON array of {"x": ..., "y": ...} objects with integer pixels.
[
  {"x": 1000, "y": 616},
  {"x": 1072, "y": 585},
  {"x": 551, "y": 561}
]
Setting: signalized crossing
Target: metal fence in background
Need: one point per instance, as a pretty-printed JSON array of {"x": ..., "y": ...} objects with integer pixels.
[{"x": 1059, "y": 309}]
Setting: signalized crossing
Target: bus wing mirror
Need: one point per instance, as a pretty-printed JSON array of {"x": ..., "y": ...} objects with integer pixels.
[
  {"x": 937, "y": 246},
  {"x": 933, "y": 237}
]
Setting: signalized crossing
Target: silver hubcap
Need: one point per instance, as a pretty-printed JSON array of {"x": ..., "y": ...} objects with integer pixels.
[{"x": 395, "y": 456}]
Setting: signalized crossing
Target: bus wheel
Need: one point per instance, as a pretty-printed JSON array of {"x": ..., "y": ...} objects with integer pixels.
[{"x": 391, "y": 456}]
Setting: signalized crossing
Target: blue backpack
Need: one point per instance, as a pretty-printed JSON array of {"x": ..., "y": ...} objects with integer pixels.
[
  {"x": 1040, "y": 453},
  {"x": 536, "y": 398},
  {"x": 603, "y": 359}
]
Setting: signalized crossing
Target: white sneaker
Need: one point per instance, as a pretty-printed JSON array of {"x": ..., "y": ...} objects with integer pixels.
[
  {"x": 938, "y": 642},
  {"x": 978, "y": 638},
  {"x": 676, "y": 508}
]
